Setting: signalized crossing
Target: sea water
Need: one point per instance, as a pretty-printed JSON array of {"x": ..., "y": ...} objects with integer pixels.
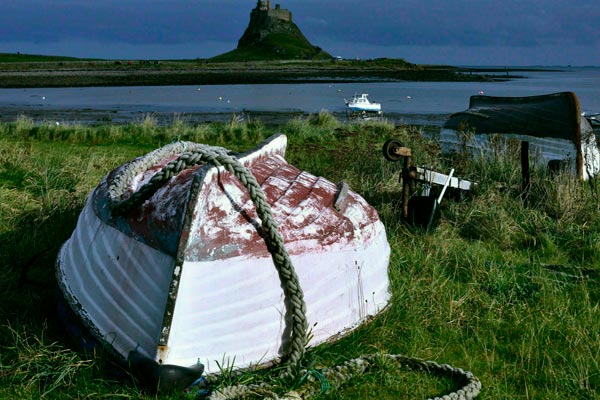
[{"x": 423, "y": 103}]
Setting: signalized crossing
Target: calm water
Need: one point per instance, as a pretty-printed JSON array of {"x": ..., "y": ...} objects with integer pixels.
[{"x": 409, "y": 102}]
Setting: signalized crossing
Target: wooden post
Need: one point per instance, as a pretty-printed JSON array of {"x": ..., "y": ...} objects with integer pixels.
[{"x": 406, "y": 185}]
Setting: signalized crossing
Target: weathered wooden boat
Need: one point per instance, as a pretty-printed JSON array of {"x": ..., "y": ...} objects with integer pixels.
[
  {"x": 551, "y": 123},
  {"x": 183, "y": 276}
]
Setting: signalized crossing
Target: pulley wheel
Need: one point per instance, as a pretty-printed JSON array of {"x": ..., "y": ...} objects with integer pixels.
[{"x": 389, "y": 149}]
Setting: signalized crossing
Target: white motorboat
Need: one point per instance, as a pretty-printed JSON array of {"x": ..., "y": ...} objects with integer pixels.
[{"x": 360, "y": 103}]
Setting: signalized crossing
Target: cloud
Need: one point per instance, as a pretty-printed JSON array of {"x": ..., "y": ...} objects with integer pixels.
[
  {"x": 382, "y": 26},
  {"x": 458, "y": 22}
]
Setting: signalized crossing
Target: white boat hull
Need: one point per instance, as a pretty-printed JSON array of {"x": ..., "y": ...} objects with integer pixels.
[
  {"x": 242, "y": 322},
  {"x": 372, "y": 108},
  {"x": 214, "y": 295},
  {"x": 117, "y": 285}
]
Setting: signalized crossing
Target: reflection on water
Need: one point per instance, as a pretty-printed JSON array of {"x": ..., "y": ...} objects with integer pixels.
[{"x": 423, "y": 103}]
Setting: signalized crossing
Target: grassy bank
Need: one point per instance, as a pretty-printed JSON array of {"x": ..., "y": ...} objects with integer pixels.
[
  {"x": 505, "y": 288},
  {"x": 36, "y": 72}
]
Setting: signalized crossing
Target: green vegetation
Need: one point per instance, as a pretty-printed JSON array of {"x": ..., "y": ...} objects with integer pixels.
[
  {"x": 18, "y": 57},
  {"x": 241, "y": 66},
  {"x": 506, "y": 288},
  {"x": 276, "y": 46}
]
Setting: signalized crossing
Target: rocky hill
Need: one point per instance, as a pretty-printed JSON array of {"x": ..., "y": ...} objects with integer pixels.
[{"x": 272, "y": 35}]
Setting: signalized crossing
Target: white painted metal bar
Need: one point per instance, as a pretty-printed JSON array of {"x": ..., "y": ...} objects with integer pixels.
[
  {"x": 432, "y": 177},
  {"x": 446, "y": 185}
]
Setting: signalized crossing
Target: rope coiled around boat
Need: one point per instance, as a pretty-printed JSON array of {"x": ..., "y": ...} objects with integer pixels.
[
  {"x": 202, "y": 154},
  {"x": 192, "y": 154}
]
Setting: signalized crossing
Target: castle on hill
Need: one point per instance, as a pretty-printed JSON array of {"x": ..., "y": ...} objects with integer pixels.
[
  {"x": 272, "y": 35},
  {"x": 265, "y": 20},
  {"x": 263, "y": 8}
]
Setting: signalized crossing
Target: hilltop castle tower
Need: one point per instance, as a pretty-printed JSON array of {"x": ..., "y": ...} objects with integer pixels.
[
  {"x": 265, "y": 20},
  {"x": 263, "y": 7}
]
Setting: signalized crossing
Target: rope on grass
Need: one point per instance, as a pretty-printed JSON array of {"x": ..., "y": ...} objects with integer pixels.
[
  {"x": 318, "y": 383},
  {"x": 198, "y": 154}
]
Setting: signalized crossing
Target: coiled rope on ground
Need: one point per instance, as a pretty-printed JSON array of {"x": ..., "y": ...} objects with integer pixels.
[{"x": 192, "y": 154}]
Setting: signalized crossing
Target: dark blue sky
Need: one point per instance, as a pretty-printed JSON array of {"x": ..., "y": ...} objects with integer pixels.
[{"x": 457, "y": 32}]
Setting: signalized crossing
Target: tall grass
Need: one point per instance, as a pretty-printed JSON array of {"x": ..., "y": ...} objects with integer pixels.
[
  {"x": 144, "y": 134},
  {"x": 507, "y": 286}
]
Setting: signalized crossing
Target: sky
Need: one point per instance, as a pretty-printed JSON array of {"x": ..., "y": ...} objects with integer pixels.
[{"x": 453, "y": 32}]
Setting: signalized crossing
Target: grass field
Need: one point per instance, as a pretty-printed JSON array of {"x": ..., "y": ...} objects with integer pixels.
[{"x": 504, "y": 287}]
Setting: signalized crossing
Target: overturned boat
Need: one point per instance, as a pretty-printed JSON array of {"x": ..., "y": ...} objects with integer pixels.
[
  {"x": 552, "y": 124},
  {"x": 182, "y": 275}
]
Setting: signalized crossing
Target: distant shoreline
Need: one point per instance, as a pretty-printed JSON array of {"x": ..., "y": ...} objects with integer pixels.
[{"x": 201, "y": 72}]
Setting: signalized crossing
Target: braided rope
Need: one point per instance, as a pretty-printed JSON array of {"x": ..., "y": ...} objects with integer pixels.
[
  {"x": 470, "y": 388},
  {"x": 123, "y": 179},
  {"x": 337, "y": 376},
  {"x": 202, "y": 154},
  {"x": 199, "y": 154}
]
